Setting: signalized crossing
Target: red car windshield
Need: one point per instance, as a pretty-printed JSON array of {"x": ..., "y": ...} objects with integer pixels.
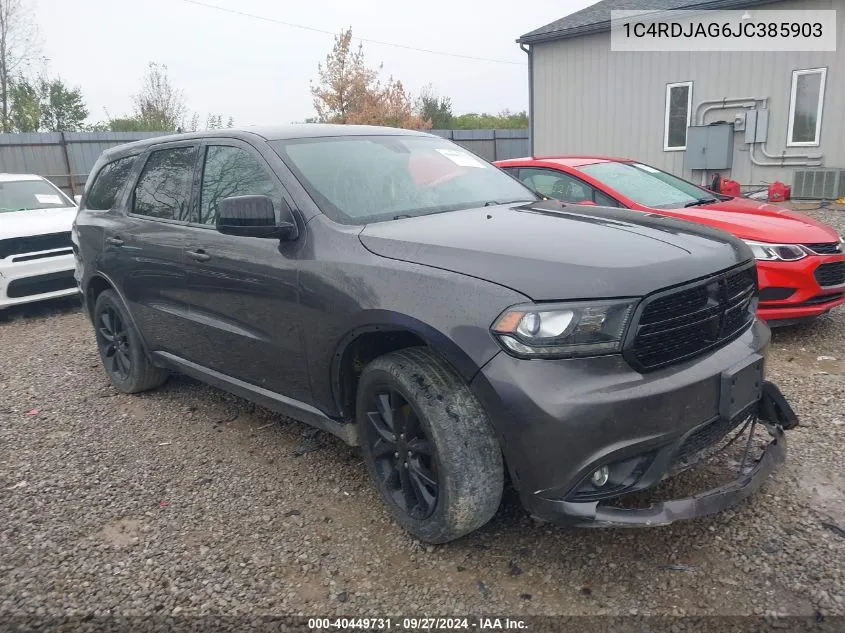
[{"x": 648, "y": 186}]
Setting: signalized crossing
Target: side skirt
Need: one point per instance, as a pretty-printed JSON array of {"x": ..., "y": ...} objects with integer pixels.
[{"x": 270, "y": 399}]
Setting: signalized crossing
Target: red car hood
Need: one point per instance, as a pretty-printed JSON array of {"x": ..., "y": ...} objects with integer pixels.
[{"x": 760, "y": 221}]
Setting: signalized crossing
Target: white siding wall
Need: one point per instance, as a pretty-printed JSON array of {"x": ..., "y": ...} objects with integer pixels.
[{"x": 588, "y": 99}]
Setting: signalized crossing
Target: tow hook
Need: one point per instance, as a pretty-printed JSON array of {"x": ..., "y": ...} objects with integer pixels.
[{"x": 774, "y": 408}]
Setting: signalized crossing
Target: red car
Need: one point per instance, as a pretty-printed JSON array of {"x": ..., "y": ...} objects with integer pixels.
[{"x": 800, "y": 262}]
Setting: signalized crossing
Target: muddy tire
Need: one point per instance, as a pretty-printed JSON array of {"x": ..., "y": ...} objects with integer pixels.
[
  {"x": 121, "y": 351},
  {"x": 428, "y": 445}
]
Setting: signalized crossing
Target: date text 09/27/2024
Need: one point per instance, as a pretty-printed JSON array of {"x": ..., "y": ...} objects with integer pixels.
[{"x": 416, "y": 624}]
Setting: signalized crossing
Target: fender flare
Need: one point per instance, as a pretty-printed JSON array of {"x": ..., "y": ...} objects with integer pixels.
[
  {"x": 389, "y": 321},
  {"x": 121, "y": 298}
]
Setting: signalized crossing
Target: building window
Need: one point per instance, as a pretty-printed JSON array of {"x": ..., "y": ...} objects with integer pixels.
[
  {"x": 806, "y": 103},
  {"x": 678, "y": 113}
]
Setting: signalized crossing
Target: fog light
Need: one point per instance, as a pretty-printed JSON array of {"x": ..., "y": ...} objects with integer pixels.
[{"x": 600, "y": 477}]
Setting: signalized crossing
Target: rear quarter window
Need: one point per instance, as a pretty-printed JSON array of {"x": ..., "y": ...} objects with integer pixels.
[{"x": 108, "y": 183}]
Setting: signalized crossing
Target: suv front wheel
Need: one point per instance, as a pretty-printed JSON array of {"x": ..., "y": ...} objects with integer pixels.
[{"x": 428, "y": 445}]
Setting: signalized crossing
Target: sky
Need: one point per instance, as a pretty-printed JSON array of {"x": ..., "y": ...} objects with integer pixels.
[{"x": 258, "y": 71}]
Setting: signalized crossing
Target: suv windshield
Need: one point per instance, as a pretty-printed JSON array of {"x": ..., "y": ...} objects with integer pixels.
[
  {"x": 22, "y": 195},
  {"x": 360, "y": 179},
  {"x": 649, "y": 186}
]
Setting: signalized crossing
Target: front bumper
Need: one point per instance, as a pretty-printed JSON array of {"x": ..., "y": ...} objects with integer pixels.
[
  {"x": 808, "y": 299},
  {"x": 558, "y": 421},
  {"x": 605, "y": 514},
  {"x": 36, "y": 279}
]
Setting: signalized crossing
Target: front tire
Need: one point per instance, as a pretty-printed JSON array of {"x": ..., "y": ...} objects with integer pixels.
[
  {"x": 428, "y": 445},
  {"x": 121, "y": 351}
]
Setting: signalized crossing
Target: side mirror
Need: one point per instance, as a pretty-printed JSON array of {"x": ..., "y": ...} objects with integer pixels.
[
  {"x": 77, "y": 199},
  {"x": 254, "y": 216},
  {"x": 587, "y": 203}
]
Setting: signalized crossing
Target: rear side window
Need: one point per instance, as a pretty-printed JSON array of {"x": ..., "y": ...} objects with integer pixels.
[
  {"x": 164, "y": 188},
  {"x": 231, "y": 171},
  {"x": 108, "y": 183}
]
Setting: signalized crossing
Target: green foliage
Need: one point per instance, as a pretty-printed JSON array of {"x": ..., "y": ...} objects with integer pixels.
[
  {"x": 25, "y": 110},
  {"x": 62, "y": 108},
  {"x": 432, "y": 107},
  {"x": 46, "y": 105},
  {"x": 132, "y": 124},
  {"x": 505, "y": 120}
]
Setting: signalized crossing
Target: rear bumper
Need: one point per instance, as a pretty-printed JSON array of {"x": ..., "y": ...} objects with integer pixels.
[
  {"x": 559, "y": 421},
  {"x": 36, "y": 280},
  {"x": 808, "y": 298}
]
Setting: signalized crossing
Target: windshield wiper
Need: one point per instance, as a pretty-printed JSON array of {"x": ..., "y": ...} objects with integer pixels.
[
  {"x": 493, "y": 203},
  {"x": 698, "y": 202}
]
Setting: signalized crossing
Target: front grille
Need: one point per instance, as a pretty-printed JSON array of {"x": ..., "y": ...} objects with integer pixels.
[
  {"x": 34, "y": 244},
  {"x": 832, "y": 274},
  {"x": 828, "y": 248},
  {"x": 679, "y": 324},
  {"x": 41, "y": 284}
]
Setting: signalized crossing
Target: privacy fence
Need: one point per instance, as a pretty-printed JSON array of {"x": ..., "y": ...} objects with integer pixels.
[{"x": 66, "y": 158}]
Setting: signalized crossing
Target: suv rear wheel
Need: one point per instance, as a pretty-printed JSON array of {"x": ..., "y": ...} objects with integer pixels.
[
  {"x": 123, "y": 356},
  {"x": 428, "y": 445}
]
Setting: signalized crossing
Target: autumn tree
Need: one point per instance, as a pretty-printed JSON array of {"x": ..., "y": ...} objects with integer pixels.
[
  {"x": 159, "y": 106},
  {"x": 344, "y": 81},
  {"x": 348, "y": 91},
  {"x": 17, "y": 48},
  {"x": 391, "y": 105}
]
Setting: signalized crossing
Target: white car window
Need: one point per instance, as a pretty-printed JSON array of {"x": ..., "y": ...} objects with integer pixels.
[{"x": 22, "y": 195}]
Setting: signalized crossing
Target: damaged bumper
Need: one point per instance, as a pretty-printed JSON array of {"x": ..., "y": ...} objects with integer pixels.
[
  {"x": 709, "y": 502},
  {"x": 771, "y": 411}
]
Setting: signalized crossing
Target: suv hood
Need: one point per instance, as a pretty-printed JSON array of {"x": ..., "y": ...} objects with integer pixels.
[
  {"x": 753, "y": 220},
  {"x": 548, "y": 251},
  {"x": 36, "y": 222}
]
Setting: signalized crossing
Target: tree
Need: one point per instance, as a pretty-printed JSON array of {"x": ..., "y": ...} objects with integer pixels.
[
  {"x": 46, "y": 105},
  {"x": 436, "y": 109},
  {"x": 62, "y": 108},
  {"x": 344, "y": 81},
  {"x": 17, "y": 48},
  {"x": 389, "y": 105},
  {"x": 504, "y": 120},
  {"x": 25, "y": 107},
  {"x": 159, "y": 106},
  {"x": 131, "y": 124},
  {"x": 348, "y": 91}
]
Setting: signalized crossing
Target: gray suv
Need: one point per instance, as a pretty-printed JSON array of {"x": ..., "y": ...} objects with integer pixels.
[{"x": 393, "y": 289}]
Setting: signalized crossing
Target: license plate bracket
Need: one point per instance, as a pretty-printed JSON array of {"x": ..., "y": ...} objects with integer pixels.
[{"x": 741, "y": 386}]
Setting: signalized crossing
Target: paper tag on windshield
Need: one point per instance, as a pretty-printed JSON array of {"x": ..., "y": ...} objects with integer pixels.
[
  {"x": 48, "y": 198},
  {"x": 463, "y": 159},
  {"x": 650, "y": 170}
]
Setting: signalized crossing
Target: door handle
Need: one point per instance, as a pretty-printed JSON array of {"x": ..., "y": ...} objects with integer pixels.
[
  {"x": 114, "y": 241},
  {"x": 199, "y": 255}
]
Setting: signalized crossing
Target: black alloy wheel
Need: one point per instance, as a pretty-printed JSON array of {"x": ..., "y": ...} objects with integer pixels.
[
  {"x": 403, "y": 455},
  {"x": 115, "y": 347}
]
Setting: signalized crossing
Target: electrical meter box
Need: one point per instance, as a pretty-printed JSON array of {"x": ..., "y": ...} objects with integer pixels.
[{"x": 710, "y": 146}]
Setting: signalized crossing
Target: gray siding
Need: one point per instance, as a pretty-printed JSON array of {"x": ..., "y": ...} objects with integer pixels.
[{"x": 588, "y": 99}]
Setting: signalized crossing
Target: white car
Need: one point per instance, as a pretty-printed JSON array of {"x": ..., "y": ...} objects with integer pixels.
[{"x": 36, "y": 254}]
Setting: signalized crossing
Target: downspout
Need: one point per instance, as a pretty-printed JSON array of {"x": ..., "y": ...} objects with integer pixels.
[{"x": 527, "y": 51}]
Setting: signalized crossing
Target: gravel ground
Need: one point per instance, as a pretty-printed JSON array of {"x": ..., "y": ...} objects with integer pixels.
[{"x": 188, "y": 500}]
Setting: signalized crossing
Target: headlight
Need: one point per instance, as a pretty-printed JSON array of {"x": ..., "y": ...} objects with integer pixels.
[
  {"x": 776, "y": 252},
  {"x": 564, "y": 330}
]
